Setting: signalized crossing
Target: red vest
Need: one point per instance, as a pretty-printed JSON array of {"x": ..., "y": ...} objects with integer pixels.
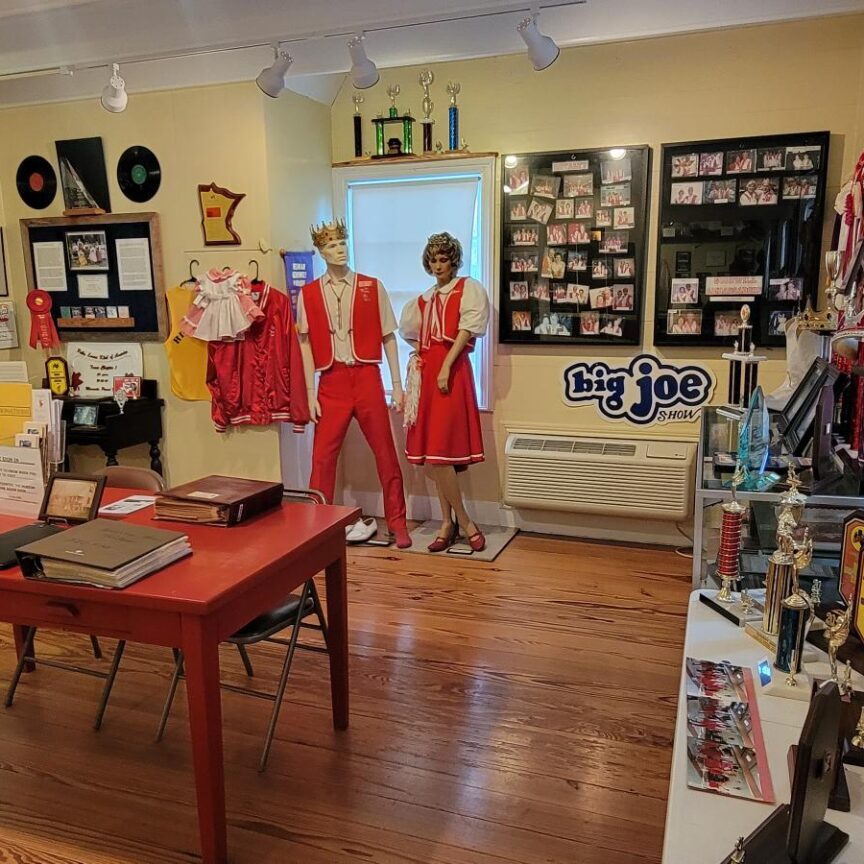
[
  {"x": 364, "y": 329},
  {"x": 450, "y": 305}
]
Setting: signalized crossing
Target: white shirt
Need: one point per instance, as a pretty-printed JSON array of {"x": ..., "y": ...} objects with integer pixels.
[
  {"x": 473, "y": 311},
  {"x": 333, "y": 289}
]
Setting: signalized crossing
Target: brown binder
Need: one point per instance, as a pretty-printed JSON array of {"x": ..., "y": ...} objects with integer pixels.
[{"x": 218, "y": 500}]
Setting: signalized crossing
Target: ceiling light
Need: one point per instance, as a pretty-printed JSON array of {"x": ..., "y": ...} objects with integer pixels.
[
  {"x": 511, "y": 161},
  {"x": 541, "y": 49},
  {"x": 364, "y": 73},
  {"x": 617, "y": 153},
  {"x": 271, "y": 80},
  {"x": 114, "y": 95}
]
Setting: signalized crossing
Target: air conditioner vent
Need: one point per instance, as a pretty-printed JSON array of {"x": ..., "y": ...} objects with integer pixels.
[
  {"x": 528, "y": 444},
  {"x": 619, "y": 449}
]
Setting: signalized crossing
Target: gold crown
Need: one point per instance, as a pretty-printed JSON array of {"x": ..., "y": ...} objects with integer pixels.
[{"x": 327, "y": 232}]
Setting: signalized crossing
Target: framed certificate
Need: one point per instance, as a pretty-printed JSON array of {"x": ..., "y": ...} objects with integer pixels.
[{"x": 850, "y": 554}]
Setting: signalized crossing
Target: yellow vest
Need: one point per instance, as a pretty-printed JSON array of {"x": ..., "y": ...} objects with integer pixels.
[{"x": 187, "y": 356}]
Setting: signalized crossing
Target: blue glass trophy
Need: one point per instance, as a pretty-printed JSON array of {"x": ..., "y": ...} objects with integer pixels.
[{"x": 753, "y": 445}]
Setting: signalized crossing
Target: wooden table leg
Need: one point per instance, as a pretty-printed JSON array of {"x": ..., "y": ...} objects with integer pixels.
[
  {"x": 20, "y": 633},
  {"x": 337, "y": 633},
  {"x": 201, "y": 652}
]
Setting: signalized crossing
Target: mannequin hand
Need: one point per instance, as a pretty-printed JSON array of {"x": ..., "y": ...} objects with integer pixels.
[
  {"x": 444, "y": 379},
  {"x": 398, "y": 399},
  {"x": 314, "y": 409}
]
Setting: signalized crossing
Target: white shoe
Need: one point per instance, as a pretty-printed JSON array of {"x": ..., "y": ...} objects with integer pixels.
[{"x": 361, "y": 531}]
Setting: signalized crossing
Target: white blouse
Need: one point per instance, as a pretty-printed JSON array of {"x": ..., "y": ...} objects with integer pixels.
[{"x": 473, "y": 311}]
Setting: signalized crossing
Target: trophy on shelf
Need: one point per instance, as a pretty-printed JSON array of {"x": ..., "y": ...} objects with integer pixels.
[
  {"x": 393, "y": 91},
  {"x": 395, "y": 146},
  {"x": 836, "y": 634},
  {"x": 454, "y": 88},
  {"x": 427, "y": 77},
  {"x": 358, "y": 100},
  {"x": 827, "y": 320},
  {"x": 753, "y": 446},
  {"x": 743, "y": 365},
  {"x": 728, "y": 567},
  {"x": 795, "y": 614}
]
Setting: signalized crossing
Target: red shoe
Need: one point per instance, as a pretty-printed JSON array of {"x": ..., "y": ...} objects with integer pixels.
[
  {"x": 439, "y": 544},
  {"x": 402, "y": 537},
  {"x": 477, "y": 541}
]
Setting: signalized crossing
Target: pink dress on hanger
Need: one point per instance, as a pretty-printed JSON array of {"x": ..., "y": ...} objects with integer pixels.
[{"x": 223, "y": 309}]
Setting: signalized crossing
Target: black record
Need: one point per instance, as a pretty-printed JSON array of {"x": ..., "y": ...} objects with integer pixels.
[
  {"x": 139, "y": 174},
  {"x": 37, "y": 182}
]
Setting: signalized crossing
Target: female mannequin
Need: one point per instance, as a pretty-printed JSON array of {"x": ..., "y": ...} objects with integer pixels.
[{"x": 446, "y": 437}]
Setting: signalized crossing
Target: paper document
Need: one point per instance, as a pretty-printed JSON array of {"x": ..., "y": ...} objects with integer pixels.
[
  {"x": 49, "y": 262},
  {"x": 127, "y": 505},
  {"x": 133, "y": 264}
]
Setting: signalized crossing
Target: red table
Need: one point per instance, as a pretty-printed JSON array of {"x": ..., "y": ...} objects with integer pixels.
[{"x": 232, "y": 575}]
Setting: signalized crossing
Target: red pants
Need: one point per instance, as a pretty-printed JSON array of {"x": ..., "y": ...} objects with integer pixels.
[{"x": 356, "y": 391}]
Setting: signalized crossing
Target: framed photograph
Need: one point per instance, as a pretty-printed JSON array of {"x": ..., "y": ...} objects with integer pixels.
[
  {"x": 577, "y": 262},
  {"x": 684, "y": 292},
  {"x": 809, "y": 183},
  {"x": 603, "y": 219},
  {"x": 599, "y": 268},
  {"x": 721, "y": 191},
  {"x": 130, "y": 384},
  {"x": 556, "y": 234},
  {"x": 545, "y": 186},
  {"x": 612, "y": 325},
  {"x": 87, "y": 250},
  {"x": 518, "y": 210},
  {"x": 615, "y": 242},
  {"x": 601, "y": 298},
  {"x": 553, "y": 264},
  {"x": 85, "y": 415},
  {"x": 524, "y": 235},
  {"x": 687, "y": 193},
  {"x": 521, "y": 262},
  {"x": 90, "y": 312},
  {"x": 616, "y": 170},
  {"x": 771, "y": 159},
  {"x": 740, "y": 161},
  {"x": 617, "y": 195},
  {"x": 684, "y": 322},
  {"x": 111, "y": 311},
  {"x": 540, "y": 210},
  {"x": 522, "y": 320},
  {"x": 624, "y": 268},
  {"x": 789, "y": 288},
  {"x": 518, "y": 290},
  {"x": 123, "y": 311},
  {"x": 577, "y": 232},
  {"x": 803, "y": 158},
  {"x": 564, "y": 208},
  {"x": 711, "y": 164},
  {"x": 518, "y": 179},
  {"x": 72, "y": 498},
  {"x": 578, "y": 185},
  {"x": 584, "y": 208},
  {"x": 589, "y": 323},
  {"x": 554, "y": 324},
  {"x": 759, "y": 191},
  {"x": 685, "y": 165},
  {"x": 540, "y": 289},
  {"x": 4, "y": 282},
  {"x": 624, "y": 217},
  {"x": 572, "y": 294},
  {"x": 777, "y": 321},
  {"x": 726, "y": 323},
  {"x": 853, "y": 536},
  {"x": 623, "y": 298}
]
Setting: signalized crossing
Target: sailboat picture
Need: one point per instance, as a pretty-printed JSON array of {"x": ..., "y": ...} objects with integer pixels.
[{"x": 83, "y": 176}]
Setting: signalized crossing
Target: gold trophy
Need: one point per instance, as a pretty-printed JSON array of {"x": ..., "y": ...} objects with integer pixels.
[
  {"x": 858, "y": 737},
  {"x": 738, "y": 853},
  {"x": 836, "y": 634},
  {"x": 795, "y": 614}
]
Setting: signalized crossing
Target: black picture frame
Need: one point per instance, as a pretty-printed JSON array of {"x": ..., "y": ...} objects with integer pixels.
[
  {"x": 780, "y": 240},
  {"x": 46, "y": 514},
  {"x": 620, "y": 226},
  {"x": 4, "y": 281}
]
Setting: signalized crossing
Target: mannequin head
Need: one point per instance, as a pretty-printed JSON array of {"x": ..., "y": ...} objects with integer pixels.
[
  {"x": 331, "y": 241},
  {"x": 442, "y": 257}
]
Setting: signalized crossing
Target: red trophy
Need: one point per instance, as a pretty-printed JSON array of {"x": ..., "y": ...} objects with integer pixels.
[{"x": 730, "y": 544}]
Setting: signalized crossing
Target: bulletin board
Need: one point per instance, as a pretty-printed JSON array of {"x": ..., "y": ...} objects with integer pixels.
[
  {"x": 574, "y": 227},
  {"x": 104, "y": 275},
  {"x": 741, "y": 221}
]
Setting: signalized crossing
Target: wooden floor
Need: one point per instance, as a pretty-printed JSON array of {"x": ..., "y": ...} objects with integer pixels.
[{"x": 519, "y": 712}]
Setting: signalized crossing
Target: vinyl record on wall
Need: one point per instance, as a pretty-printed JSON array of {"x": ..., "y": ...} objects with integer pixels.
[
  {"x": 36, "y": 182},
  {"x": 139, "y": 174}
]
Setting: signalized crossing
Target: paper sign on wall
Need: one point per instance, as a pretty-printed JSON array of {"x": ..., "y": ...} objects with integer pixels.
[
  {"x": 8, "y": 327},
  {"x": 645, "y": 392},
  {"x": 95, "y": 365}
]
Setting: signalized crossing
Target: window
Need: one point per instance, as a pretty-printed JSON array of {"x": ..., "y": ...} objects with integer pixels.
[{"x": 391, "y": 210}]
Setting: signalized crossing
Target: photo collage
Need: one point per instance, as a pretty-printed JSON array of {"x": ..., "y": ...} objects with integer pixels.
[
  {"x": 573, "y": 241},
  {"x": 723, "y": 205}
]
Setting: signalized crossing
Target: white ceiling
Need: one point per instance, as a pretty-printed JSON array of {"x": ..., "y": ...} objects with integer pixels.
[{"x": 47, "y": 34}]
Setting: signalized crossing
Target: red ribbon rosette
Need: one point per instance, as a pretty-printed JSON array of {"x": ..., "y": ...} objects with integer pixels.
[{"x": 42, "y": 329}]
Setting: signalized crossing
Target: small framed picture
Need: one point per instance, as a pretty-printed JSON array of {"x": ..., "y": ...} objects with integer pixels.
[
  {"x": 554, "y": 264},
  {"x": 726, "y": 323},
  {"x": 596, "y": 236},
  {"x": 792, "y": 188},
  {"x": 540, "y": 289},
  {"x": 578, "y": 185},
  {"x": 75, "y": 312},
  {"x": 577, "y": 232},
  {"x": 599, "y": 269},
  {"x": 517, "y": 179},
  {"x": 771, "y": 159},
  {"x": 589, "y": 324},
  {"x": 524, "y": 235},
  {"x": 100, "y": 312},
  {"x": 684, "y": 322},
  {"x": 711, "y": 164},
  {"x": 601, "y": 298},
  {"x": 87, "y": 250},
  {"x": 616, "y": 170},
  {"x": 624, "y": 217},
  {"x": 85, "y": 415},
  {"x": 545, "y": 186},
  {"x": 518, "y": 210},
  {"x": 123, "y": 312},
  {"x": 777, "y": 321},
  {"x": 130, "y": 384},
  {"x": 604, "y": 219},
  {"x": 556, "y": 234},
  {"x": 518, "y": 290},
  {"x": 687, "y": 193},
  {"x": 72, "y": 497},
  {"x": 624, "y": 268},
  {"x": 111, "y": 311},
  {"x": 521, "y": 321},
  {"x": 759, "y": 192},
  {"x": 564, "y": 208},
  {"x": 521, "y": 262},
  {"x": 803, "y": 158},
  {"x": 584, "y": 208},
  {"x": 554, "y": 324},
  {"x": 684, "y": 292},
  {"x": 578, "y": 294},
  {"x": 720, "y": 191},
  {"x": 65, "y": 311},
  {"x": 786, "y": 289},
  {"x": 617, "y": 195},
  {"x": 685, "y": 165},
  {"x": 740, "y": 161},
  {"x": 809, "y": 182},
  {"x": 622, "y": 298},
  {"x": 615, "y": 242},
  {"x": 577, "y": 262},
  {"x": 540, "y": 210},
  {"x": 89, "y": 311},
  {"x": 611, "y": 325}
]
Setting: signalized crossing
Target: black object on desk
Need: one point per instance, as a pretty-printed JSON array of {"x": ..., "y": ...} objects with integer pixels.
[{"x": 106, "y": 427}]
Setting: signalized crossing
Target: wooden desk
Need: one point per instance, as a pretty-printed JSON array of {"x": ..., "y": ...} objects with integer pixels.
[{"x": 232, "y": 575}]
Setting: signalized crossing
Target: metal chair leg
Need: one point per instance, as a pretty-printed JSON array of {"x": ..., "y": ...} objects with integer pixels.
[
  {"x": 283, "y": 680},
  {"x": 247, "y": 663},
  {"x": 172, "y": 690},
  {"x": 319, "y": 610},
  {"x": 109, "y": 683},
  {"x": 97, "y": 648},
  {"x": 26, "y": 654}
]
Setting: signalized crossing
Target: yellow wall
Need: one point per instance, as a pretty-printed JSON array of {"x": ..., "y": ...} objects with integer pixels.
[
  {"x": 277, "y": 152},
  {"x": 762, "y": 80}
]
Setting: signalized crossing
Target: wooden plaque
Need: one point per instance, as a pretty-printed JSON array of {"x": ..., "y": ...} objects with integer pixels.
[{"x": 217, "y": 212}]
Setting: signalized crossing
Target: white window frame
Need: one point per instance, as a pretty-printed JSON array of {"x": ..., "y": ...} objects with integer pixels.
[{"x": 482, "y": 167}]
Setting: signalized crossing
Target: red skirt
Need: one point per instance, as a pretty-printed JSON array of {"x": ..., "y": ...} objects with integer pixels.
[{"x": 447, "y": 431}]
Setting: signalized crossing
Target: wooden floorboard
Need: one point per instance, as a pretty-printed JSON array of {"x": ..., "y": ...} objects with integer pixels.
[{"x": 516, "y": 712}]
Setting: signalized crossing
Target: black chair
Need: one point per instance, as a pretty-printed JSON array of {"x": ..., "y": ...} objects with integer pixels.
[{"x": 291, "y": 613}]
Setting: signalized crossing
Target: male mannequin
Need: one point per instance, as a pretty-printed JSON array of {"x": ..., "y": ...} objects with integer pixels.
[{"x": 343, "y": 320}]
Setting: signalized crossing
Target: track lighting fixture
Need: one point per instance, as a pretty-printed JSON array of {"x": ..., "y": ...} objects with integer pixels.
[
  {"x": 271, "y": 79},
  {"x": 114, "y": 95},
  {"x": 364, "y": 73},
  {"x": 541, "y": 49}
]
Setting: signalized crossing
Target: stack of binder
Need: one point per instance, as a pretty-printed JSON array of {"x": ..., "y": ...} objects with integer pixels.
[{"x": 218, "y": 500}]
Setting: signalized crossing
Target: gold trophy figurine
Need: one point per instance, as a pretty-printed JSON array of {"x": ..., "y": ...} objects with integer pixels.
[
  {"x": 738, "y": 853},
  {"x": 836, "y": 632},
  {"x": 858, "y": 737}
]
